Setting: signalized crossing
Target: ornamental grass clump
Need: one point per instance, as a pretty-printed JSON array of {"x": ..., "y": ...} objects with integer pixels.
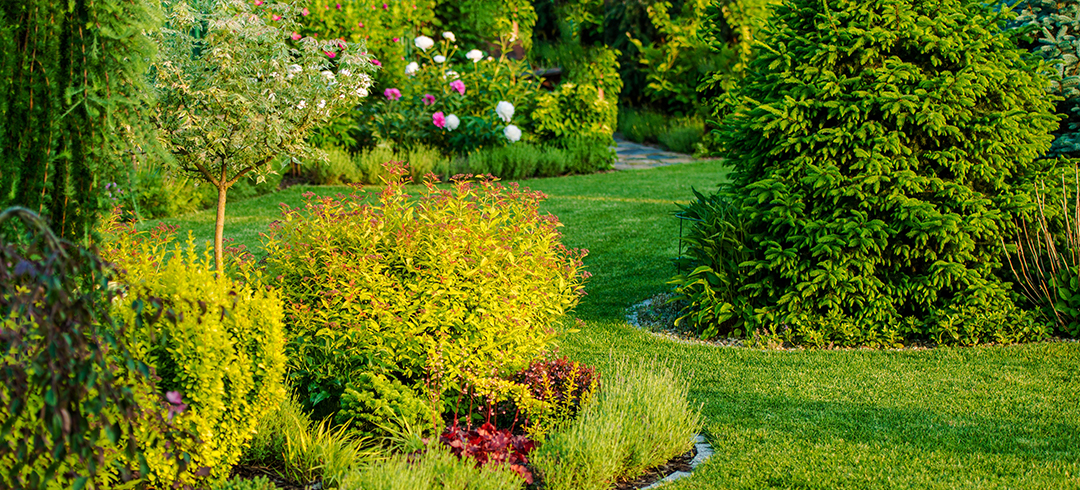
[
  {"x": 880, "y": 152},
  {"x": 422, "y": 291}
]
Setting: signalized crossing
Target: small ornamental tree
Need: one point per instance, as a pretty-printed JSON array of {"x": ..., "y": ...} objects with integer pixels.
[
  {"x": 236, "y": 88},
  {"x": 880, "y": 150},
  {"x": 1052, "y": 28}
]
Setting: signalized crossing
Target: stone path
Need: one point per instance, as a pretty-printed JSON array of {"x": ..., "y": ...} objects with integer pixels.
[{"x": 635, "y": 156}]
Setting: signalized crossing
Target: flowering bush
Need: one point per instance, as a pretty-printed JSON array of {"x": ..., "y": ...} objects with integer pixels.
[
  {"x": 456, "y": 102},
  {"x": 453, "y": 284}
]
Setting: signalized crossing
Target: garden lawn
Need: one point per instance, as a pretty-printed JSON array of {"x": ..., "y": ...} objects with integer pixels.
[{"x": 984, "y": 417}]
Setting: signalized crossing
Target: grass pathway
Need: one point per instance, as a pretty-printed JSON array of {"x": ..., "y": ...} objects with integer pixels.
[{"x": 984, "y": 417}]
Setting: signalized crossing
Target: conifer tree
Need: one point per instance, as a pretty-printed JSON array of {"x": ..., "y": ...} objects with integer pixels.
[
  {"x": 880, "y": 150},
  {"x": 73, "y": 101}
]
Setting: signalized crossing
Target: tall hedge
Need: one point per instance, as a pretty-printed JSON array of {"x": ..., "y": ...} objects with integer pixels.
[
  {"x": 880, "y": 149},
  {"x": 72, "y": 101}
]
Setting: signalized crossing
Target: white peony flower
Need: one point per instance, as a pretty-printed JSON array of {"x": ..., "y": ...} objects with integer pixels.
[
  {"x": 360, "y": 92},
  {"x": 424, "y": 42},
  {"x": 439, "y": 58},
  {"x": 303, "y": 104},
  {"x": 451, "y": 74},
  {"x": 412, "y": 68},
  {"x": 452, "y": 122},
  {"x": 449, "y": 35},
  {"x": 474, "y": 55},
  {"x": 512, "y": 133},
  {"x": 505, "y": 110}
]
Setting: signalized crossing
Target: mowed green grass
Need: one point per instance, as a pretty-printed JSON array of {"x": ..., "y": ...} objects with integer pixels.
[{"x": 984, "y": 417}]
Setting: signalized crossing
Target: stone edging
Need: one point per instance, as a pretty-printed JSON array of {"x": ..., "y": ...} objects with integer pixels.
[{"x": 704, "y": 452}]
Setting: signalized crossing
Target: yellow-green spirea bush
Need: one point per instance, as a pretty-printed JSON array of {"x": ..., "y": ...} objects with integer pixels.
[
  {"x": 216, "y": 341},
  {"x": 459, "y": 283},
  {"x": 881, "y": 150}
]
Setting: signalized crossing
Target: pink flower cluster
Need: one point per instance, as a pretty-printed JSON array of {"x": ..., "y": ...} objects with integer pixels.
[
  {"x": 459, "y": 86},
  {"x": 439, "y": 119},
  {"x": 429, "y": 99},
  {"x": 392, "y": 94}
]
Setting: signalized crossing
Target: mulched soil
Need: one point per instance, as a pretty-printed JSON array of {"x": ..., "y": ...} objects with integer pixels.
[{"x": 678, "y": 463}]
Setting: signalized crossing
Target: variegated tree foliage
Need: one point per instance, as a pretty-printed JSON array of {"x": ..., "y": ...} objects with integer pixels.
[{"x": 237, "y": 88}]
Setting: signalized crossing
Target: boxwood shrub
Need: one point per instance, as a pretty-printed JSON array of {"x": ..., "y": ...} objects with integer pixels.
[
  {"x": 216, "y": 342},
  {"x": 425, "y": 291}
]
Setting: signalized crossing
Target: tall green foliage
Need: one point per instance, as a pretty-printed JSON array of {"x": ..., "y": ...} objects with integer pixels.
[
  {"x": 72, "y": 96},
  {"x": 880, "y": 150},
  {"x": 1051, "y": 28}
]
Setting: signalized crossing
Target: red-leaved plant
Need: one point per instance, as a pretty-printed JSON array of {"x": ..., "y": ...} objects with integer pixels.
[{"x": 488, "y": 445}]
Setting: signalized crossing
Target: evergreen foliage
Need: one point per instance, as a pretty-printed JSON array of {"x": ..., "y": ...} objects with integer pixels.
[
  {"x": 1052, "y": 34},
  {"x": 880, "y": 151},
  {"x": 72, "y": 102}
]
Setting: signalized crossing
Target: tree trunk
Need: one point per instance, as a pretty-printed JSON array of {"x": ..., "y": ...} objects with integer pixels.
[{"x": 219, "y": 227}]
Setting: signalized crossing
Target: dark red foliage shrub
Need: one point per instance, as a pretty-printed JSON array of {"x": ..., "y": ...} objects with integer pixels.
[{"x": 488, "y": 445}]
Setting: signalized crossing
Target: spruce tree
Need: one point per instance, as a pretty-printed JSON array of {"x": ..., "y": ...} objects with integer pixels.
[
  {"x": 73, "y": 100},
  {"x": 880, "y": 151}
]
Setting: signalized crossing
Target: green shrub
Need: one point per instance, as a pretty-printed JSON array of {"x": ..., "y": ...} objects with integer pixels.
[
  {"x": 216, "y": 341},
  {"x": 421, "y": 159},
  {"x": 339, "y": 168},
  {"x": 452, "y": 284},
  {"x": 575, "y": 110},
  {"x": 434, "y": 469},
  {"x": 641, "y": 126},
  {"x": 640, "y": 418},
  {"x": 588, "y": 154},
  {"x": 375, "y": 405},
  {"x": 879, "y": 157},
  {"x": 684, "y": 138}
]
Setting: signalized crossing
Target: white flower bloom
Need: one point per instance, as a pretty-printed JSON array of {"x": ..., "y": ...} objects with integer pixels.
[
  {"x": 424, "y": 42},
  {"x": 412, "y": 68},
  {"x": 360, "y": 92},
  {"x": 505, "y": 110},
  {"x": 474, "y": 55},
  {"x": 451, "y": 74},
  {"x": 512, "y": 133},
  {"x": 449, "y": 35},
  {"x": 452, "y": 122},
  {"x": 365, "y": 80},
  {"x": 322, "y": 103},
  {"x": 491, "y": 59},
  {"x": 303, "y": 104},
  {"x": 439, "y": 58}
]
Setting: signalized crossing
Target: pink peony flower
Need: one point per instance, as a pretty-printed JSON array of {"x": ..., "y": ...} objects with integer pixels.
[
  {"x": 376, "y": 62},
  {"x": 360, "y": 24},
  {"x": 330, "y": 54},
  {"x": 392, "y": 94},
  {"x": 429, "y": 99},
  {"x": 459, "y": 86},
  {"x": 258, "y": 3},
  {"x": 276, "y": 17},
  {"x": 385, "y": 7},
  {"x": 439, "y": 119},
  {"x": 305, "y": 12},
  {"x": 295, "y": 36},
  {"x": 339, "y": 6},
  {"x": 396, "y": 39}
]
